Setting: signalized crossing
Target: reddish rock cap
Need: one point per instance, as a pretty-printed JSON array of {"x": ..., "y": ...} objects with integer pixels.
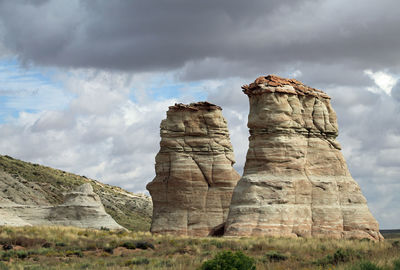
[
  {"x": 202, "y": 105},
  {"x": 273, "y": 83}
]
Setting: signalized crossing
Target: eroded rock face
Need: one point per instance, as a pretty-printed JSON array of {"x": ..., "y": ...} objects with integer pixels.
[
  {"x": 82, "y": 208},
  {"x": 295, "y": 181},
  {"x": 194, "y": 180}
]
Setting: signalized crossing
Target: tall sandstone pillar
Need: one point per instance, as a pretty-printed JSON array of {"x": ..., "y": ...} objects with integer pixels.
[
  {"x": 195, "y": 179},
  {"x": 295, "y": 181}
]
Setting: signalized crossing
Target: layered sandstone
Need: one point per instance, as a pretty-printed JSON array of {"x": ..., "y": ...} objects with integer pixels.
[
  {"x": 195, "y": 179},
  {"x": 32, "y": 185},
  {"x": 82, "y": 208},
  {"x": 295, "y": 181}
]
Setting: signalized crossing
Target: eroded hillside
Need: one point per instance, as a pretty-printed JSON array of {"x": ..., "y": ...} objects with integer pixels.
[{"x": 33, "y": 184}]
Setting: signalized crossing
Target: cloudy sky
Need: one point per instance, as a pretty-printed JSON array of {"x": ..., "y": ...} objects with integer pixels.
[{"x": 85, "y": 84}]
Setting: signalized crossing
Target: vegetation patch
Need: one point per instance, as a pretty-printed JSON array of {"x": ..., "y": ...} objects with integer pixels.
[
  {"x": 340, "y": 256},
  {"x": 73, "y": 248},
  {"x": 366, "y": 266},
  {"x": 396, "y": 264},
  {"x": 22, "y": 241},
  {"x": 227, "y": 260},
  {"x": 137, "y": 261},
  {"x": 137, "y": 245},
  {"x": 275, "y": 256}
]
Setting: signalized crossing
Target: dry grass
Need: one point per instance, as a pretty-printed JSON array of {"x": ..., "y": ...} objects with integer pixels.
[{"x": 73, "y": 248}]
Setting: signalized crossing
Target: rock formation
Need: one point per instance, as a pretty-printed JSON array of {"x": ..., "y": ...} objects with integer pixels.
[
  {"x": 194, "y": 179},
  {"x": 82, "y": 208},
  {"x": 295, "y": 181},
  {"x": 32, "y": 185},
  {"x": 10, "y": 218}
]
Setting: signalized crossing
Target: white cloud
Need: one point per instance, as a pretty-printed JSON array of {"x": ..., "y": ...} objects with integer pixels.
[
  {"x": 101, "y": 133},
  {"x": 384, "y": 80},
  {"x": 297, "y": 73}
]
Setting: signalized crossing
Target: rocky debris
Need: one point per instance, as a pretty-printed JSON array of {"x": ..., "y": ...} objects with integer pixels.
[
  {"x": 296, "y": 181},
  {"x": 194, "y": 179},
  {"x": 82, "y": 208}
]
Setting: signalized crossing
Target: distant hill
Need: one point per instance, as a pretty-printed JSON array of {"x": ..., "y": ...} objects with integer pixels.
[
  {"x": 27, "y": 183},
  {"x": 388, "y": 234}
]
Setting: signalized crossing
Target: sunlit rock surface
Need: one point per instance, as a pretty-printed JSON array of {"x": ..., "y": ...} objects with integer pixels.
[
  {"x": 295, "y": 181},
  {"x": 194, "y": 180},
  {"x": 82, "y": 208}
]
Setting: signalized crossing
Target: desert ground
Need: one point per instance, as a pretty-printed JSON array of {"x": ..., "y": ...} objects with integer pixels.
[{"x": 72, "y": 248}]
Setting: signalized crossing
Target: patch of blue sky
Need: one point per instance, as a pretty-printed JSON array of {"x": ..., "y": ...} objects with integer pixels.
[
  {"x": 5, "y": 112},
  {"x": 28, "y": 90},
  {"x": 11, "y": 69},
  {"x": 176, "y": 90},
  {"x": 165, "y": 87}
]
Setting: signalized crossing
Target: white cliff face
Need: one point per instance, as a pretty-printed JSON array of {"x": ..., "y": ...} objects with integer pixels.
[
  {"x": 82, "y": 208},
  {"x": 295, "y": 181},
  {"x": 194, "y": 179}
]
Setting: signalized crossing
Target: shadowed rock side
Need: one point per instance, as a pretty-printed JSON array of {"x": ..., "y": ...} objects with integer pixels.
[
  {"x": 295, "y": 181},
  {"x": 194, "y": 179},
  {"x": 82, "y": 208}
]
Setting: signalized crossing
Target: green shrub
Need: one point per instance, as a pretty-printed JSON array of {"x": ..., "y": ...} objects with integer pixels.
[
  {"x": 226, "y": 260},
  {"x": 138, "y": 261},
  {"x": 129, "y": 245},
  {"x": 7, "y": 255},
  {"x": 144, "y": 245},
  {"x": 7, "y": 247},
  {"x": 366, "y": 265},
  {"x": 47, "y": 245},
  {"x": 74, "y": 253},
  {"x": 274, "y": 256},
  {"x": 109, "y": 250},
  {"x": 3, "y": 266},
  {"x": 138, "y": 244},
  {"x": 22, "y": 254},
  {"x": 340, "y": 256},
  {"x": 396, "y": 264}
]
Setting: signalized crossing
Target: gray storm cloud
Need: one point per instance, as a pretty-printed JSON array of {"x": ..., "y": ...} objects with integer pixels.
[{"x": 240, "y": 37}]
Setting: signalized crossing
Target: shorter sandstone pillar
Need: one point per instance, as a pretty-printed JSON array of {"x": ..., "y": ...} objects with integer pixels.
[{"x": 195, "y": 179}]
